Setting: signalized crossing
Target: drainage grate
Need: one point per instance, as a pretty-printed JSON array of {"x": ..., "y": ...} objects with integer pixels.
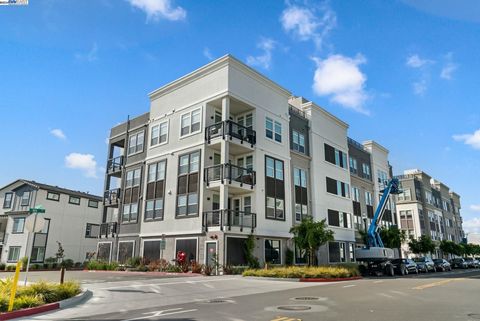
[
  {"x": 474, "y": 316},
  {"x": 216, "y": 301},
  {"x": 294, "y": 308}
]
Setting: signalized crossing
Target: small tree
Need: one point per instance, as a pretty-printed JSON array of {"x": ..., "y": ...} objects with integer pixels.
[
  {"x": 310, "y": 235},
  {"x": 423, "y": 245},
  {"x": 60, "y": 255},
  {"x": 393, "y": 237},
  {"x": 448, "y": 247},
  {"x": 252, "y": 261}
]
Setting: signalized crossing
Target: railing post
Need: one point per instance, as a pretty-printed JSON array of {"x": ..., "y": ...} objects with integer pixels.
[
  {"x": 229, "y": 172},
  {"x": 220, "y": 214},
  {"x": 241, "y": 214}
]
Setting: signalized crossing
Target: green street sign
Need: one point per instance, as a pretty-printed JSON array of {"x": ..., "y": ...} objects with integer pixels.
[
  {"x": 37, "y": 209},
  {"x": 162, "y": 244}
]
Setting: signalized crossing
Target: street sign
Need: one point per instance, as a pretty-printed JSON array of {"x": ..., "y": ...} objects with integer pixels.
[
  {"x": 162, "y": 244},
  {"x": 34, "y": 223}
]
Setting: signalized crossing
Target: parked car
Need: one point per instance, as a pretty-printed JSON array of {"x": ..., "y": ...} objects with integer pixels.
[
  {"x": 459, "y": 263},
  {"x": 404, "y": 266},
  {"x": 472, "y": 263},
  {"x": 442, "y": 265},
  {"x": 425, "y": 264}
]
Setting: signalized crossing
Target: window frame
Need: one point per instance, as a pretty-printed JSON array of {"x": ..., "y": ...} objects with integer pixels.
[
  {"x": 190, "y": 123},
  {"x": 298, "y": 145},
  {"x": 277, "y": 181},
  {"x": 22, "y": 199},
  {"x": 280, "y": 256},
  {"x": 5, "y": 200},
  {"x": 275, "y": 125},
  {"x": 70, "y": 197},
  {"x": 159, "y": 176},
  {"x": 89, "y": 203},
  {"x": 136, "y": 149},
  {"x": 159, "y": 126},
  {"x": 187, "y": 176},
  {"x": 10, "y": 251},
  {"x": 53, "y": 198},
  {"x": 23, "y": 225}
]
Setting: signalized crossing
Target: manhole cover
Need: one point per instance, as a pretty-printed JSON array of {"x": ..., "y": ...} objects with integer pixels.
[
  {"x": 474, "y": 316},
  {"x": 307, "y": 298},
  {"x": 294, "y": 308}
]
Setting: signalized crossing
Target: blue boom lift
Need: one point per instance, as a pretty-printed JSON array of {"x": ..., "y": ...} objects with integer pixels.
[{"x": 374, "y": 255}]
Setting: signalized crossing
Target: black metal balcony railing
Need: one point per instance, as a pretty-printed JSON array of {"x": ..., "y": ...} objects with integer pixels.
[
  {"x": 108, "y": 229},
  {"x": 230, "y": 173},
  {"x": 225, "y": 219},
  {"x": 111, "y": 197},
  {"x": 114, "y": 164},
  {"x": 231, "y": 129}
]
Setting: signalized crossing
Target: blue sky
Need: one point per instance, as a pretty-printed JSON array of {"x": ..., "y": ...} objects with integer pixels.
[{"x": 404, "y": 73}]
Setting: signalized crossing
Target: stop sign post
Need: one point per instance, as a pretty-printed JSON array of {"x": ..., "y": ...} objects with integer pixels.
[{"x": 34, "y": 223}]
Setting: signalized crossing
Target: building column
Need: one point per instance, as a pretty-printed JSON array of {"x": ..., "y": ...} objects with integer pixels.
[{"x": 224, "y": 159}]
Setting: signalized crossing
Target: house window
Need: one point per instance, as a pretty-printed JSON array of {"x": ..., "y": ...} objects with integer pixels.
[
  {"x": 38, "y": 254},
  {"x": 130, "y": 213},
  {"x": 151, "y": 250},
  {"x": 298, "y": 141},
  {"x": 336, "y": 252},
  {"x": 356, "y": 194},
  {"x": 92, "y": 230},
  {"x": 18, "y": 224},
  {"x": 133, "y": 178},
  {"x": 74, "y": 200},
  {"x": 131, "y": 196},
  {"x": 155, "y": 191},
  {"x": 7, "y": 201},
  {"x": 135, "y": 143},
  {"x": 273, "y": 129},
  {"x": 159, "y": 134},
  {"x": 301, "y": 198},
  {"x": 273, "y": 252},
  {"x": 351, "y": 252},
  {"x": 366, "y": 171},
  {"x": 189, "y": 246},
  {"x": 340, "y": 219},
  {"x": 275, "y": 189},
  {"x": 335, "y": 156},
  {"x": 188, "y": 184},
  {"x": 353, "y": 165},
  {"x": 25, "y": 199},
  {"x": 368, "y": 198},
  {"x": 93, "y": 203},
  {"x": 53, "y": 196},
  {"x": 13, "y": 253},
  {"x": 405, "y": 195},
  {"x": 338, "y": 188},
  {"x": 125, "y": 251},
  {"x": 190, "y": 122},
  {"x": 382, "y": 177}
]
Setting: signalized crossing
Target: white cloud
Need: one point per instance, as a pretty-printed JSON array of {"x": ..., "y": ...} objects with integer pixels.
[
  {"x": 475, "y": 208},
  {"x": 448, "y": 68},
  {"x": 420, "y": 87},
  {"x": 472, "y": 226},
  {"x": 263, "y": 60},
  {"x": 469, "y": 139},
  {"x": 341, "y": 78},
  {"x": 58, "y": 133},
  {"x": 156, "y": 9},
  {"x": 304, "y": 24},
  {"x": 207, "y": 53},
  {"x": 83, "y": 162},
  {"x": 89, "y": 56},
  {"x": 414, "y": 61}
]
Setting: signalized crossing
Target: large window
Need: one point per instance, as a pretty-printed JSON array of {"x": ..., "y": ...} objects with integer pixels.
[
  {"x": 273, "y": 129},
  {"x": 74, "y": 200},
  {"x": 368, "y": 198},
  {"x": 405, "y": 195},
  {"x": 38, "y": 254},
  {"x": 366, "y": 171},
  {"x": 338, "y": 188},
  {"x": 7, "y": 201},
  {"x": 406, "y": 220},
  {"x": 336, "y": 252},
  {"x": 53, "y": 196},
  {"x": 189, "y": 246},
  {"x": 18, "y": 225},
  {"x": 131, "y": 196},
  {"x": 355, "y": 194},
  {"x": 335, "y": 156},
  {"x": 92, "y": 230},
  {"x": 191, "y": 122},
  {"x": 188, "y": 184},
  {"x": 159, "y": 134},
  {"x": 273, "y": 253},
  {"x": 135, "y": 143},
  {"x": 125, "y": 251},
  {"x": 155, "y": 191},
  {"x": 275, "y": 189},
  {"x": 25, "y": 199},
  {"x": 353, "y": 165},
  {"x": 93, "y": 203},
  {"x": 340, "y": 219},
  {"x": 13, "y": 253},
  {"x": 298, "y": 140},
  {"x": 301, "y": 198},
  {"x": 151, "y": 250},
  {"x": 130, "y": 213}
]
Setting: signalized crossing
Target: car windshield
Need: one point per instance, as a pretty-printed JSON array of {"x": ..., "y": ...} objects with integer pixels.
[
  {"x": 438, "y": 261},
  {"x": 397, "y": 261},
  {"x": 419, "y": 259}
]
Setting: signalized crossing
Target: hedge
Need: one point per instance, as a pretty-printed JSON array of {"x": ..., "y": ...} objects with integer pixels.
[{"x": 324, "y": 272}]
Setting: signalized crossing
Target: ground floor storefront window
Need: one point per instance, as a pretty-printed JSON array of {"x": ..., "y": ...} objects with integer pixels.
[
  {"x": 236, "y": 247},
  {"x": 273, "y": 252},
  {"x": 125, "y": 251},
  {"x": 104, "y": 251}
]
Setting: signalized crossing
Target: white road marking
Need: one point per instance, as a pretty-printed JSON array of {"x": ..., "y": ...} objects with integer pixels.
[
  {"x": 378, "y": 282},
  {"x": 399, "y": 293},
  {"x": 349, "y": 286},
  {"x": 208, "y": 285},
  {"x": 385, "y": 295},
  {"x": 162, "y": 313},
  {"x": 165, "y": 283}
]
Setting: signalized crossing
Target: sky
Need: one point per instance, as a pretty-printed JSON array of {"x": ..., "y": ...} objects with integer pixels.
[{"x": 401, "y": 72}]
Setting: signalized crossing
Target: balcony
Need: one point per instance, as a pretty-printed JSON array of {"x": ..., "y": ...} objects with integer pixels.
[
  {"x": 108, "y": 229},
  {"x": 114, "y": 166},
  {"x": 239, "y": 178},
  {"x": 112, "y": 197},
  {"x": 228, "y": 219},
  {"x": 243, "y": 138}
]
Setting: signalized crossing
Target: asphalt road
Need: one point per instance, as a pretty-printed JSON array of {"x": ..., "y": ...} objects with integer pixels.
[{"x": 450, "y": 296}]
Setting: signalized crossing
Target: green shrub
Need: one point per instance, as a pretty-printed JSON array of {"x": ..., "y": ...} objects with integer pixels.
[
  {"x": 134, "y": 261},
  {"x": 78, "y": 265},
  {"x": 50, "y": 260},
  {"x": 289, "y": 257},
  {"x": 2, "y": 266},
  {"x": 28, "y": 301},
  {"x": 68, "y": 263},
  {"x": 173, "y": 268},
  {"x": 11, "y": 267},
  {"x": 327, "y": 272}
]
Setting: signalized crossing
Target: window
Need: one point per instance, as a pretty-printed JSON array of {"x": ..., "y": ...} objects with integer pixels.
[
  {"x": 189, "y": 246},
  {"x": 338, "y": 188},
  {"x": 190, "y": 122},
  {"x": 382, "y": 177},
  {"x": 340, "y": 219},
  {"x": 366, "y": 171},
  {"x": 135, "y": 143},
  {"x": 133, "y": 178},
  {"x": 335, "y": 156},
  {"x": 7, "y": 201},
  {"x": 405, "y": 195},
  {"x": 38, "y": 254},
  {"x": 273, "y": 129},
  {"x": 275, "y": 189},
  {"x": 92, "y": 230},
  {"x": 406, "y": 220},
  {"x": 355, "y": 194},
  {"x": 273, "y": 252},
  {"x": 368, "y": 198},
  {"x": 130, "y": 213},
  {"x": 159, "y": 134},
  {"x": 351, "y": 252},
  {"x": 74, "y": 200},
  {"x": 131, "y": 196},
  {"x": 125, "y": 251},
  {"x": 18, "y": 224},
  {"x": 353, "y": 165},
  {"x": 298, "y": 142},
  {"x": 301, "y": 198},
  {"x": 53, "y": 196},
  {"x": 14, "y": 253},
  {"x": 151, "y": 250},
  {"x": 155, "y": 191},
  {"x": 25, "y": 199},
  {"x": 93, "y": 203},
  {"x": 188, "y": 184}
]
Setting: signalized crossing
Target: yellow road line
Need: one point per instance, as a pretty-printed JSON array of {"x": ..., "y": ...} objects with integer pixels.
[
  {"x": 286, "y": 319},
  {"x": 431, "y": 285}
]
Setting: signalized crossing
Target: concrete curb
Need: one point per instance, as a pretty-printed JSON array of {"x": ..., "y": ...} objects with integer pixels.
[
  {"x": 188, "y": 274},
  {"x": 79, "y": 298},
  {"x": 353, "y": 278}
]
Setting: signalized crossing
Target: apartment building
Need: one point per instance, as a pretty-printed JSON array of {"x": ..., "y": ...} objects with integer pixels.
[
  {"x": 428, "y": 207},
  {"x": 72, "y": 218},
  {"x": 224, "y": 152}
]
